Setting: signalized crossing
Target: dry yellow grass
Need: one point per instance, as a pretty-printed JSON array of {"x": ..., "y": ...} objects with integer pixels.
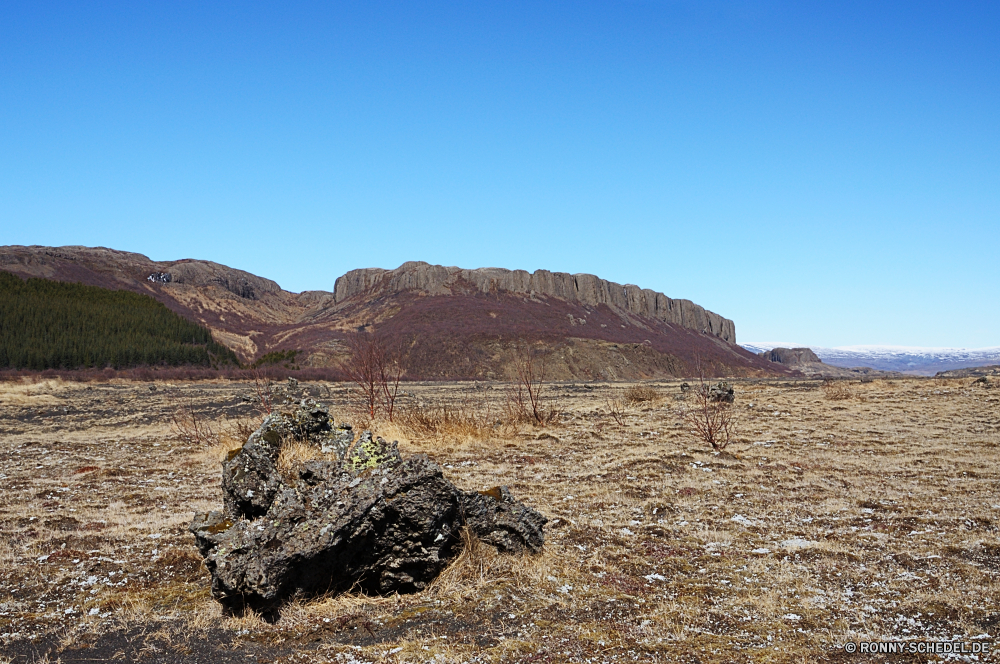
[
  {"x": 27, "y": 392},
  {"x": 295, "y": 454},
  {"x": 834, "y": 519}
]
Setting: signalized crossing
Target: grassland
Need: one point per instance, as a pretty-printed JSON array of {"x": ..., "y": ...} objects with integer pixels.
[{"x": 855, "y": 512}]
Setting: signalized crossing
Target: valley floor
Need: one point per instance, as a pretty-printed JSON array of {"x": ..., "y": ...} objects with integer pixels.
[{"x": 859, "y": 512}]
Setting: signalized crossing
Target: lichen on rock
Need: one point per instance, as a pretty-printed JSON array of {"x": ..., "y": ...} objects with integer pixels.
[
  {"x": 371, "y": 452},
  {"x": 358, "y": 517}
]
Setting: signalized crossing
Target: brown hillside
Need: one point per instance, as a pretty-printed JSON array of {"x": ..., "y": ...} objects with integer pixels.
[{"x": 452, "y": 323}]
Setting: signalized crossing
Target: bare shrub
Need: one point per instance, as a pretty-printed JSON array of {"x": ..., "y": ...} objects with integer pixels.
[
  {"x": 376, "y": 370},
  {"x": 263, "y": 389},
  {"x": 837, "y": 390},
  {"x": 617, "y": 408},
  {"x": 639, "y": 394},
  {"x": 524, "y": 395},
  {"x": 711, "y": 420},
  {"x": 192, "y": 430},
  {"x": 214, "y": 439},
  {"x": 233, "y": 433}
]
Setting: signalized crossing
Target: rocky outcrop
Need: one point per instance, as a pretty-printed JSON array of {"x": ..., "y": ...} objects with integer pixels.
[
  {"x": 993, "y": 370},
  {"x": 585, "y": 289},
  {"x": 125, "y": 268},
  {"x": 720, "y": 392},
  {"x": 806, "y": 362},
  {"x": 790, "y": 355},
  {"x": 360, "y": 517}
]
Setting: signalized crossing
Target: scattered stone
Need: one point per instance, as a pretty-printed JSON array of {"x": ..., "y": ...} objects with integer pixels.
[
  {"x": 360, "y": 518},
  {"x": 721, "y": 392}
]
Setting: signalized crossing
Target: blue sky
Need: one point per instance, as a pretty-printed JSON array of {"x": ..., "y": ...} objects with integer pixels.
[{"x": 825, "y": 172}]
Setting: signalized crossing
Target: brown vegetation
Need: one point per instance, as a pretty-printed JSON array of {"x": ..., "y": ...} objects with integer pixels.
[
  {"x": 711, "y": 420},
  {"x": 838, "y": 390},
  {"x": 839, "y": 520},
  {"x": 374, "y": 368}
]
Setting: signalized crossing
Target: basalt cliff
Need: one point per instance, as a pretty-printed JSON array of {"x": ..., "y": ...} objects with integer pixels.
[
  {"x": 583, "y": 289},
  {"x": 451, "y": 323}
]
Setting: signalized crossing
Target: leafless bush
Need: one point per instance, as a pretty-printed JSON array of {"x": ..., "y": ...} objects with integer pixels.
[
  {"x": 837, "y": 390},
  {"x": 236, "y": 432},
  {"x": 191, "y": 429},
  {"x": 375, "y": 370},
  {"x": 263, "y": 389},
  {"x": 524, "y": 395},
  {"x": 617, "y": 409},
  {"x": 195, "y": 431},
  {"x": 711, "y": 420}
]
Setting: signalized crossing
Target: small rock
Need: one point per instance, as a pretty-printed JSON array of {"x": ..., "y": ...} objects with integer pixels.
[{"x": 721, "y": 392}]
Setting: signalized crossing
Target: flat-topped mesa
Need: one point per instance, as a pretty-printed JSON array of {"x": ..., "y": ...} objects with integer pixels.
[{"x": 583, "y": 288}]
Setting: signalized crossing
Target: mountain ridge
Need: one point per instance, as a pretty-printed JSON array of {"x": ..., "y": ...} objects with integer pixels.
[
  {"x": 453, "y": 323},
  {"x": 585, "y": 288}
]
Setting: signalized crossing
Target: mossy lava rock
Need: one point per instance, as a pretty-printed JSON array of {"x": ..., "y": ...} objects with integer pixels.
[{"x": 361, "y": 518}]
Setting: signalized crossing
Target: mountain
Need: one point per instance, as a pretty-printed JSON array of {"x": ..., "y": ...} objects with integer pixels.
[
  {"x": 808, "y": 363},
  {"x": 449, "y": 322},
  {"x": 912, "y": 360}
]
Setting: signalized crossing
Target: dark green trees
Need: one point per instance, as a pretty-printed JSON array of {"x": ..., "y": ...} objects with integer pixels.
[{"x": 55, "y": 325}]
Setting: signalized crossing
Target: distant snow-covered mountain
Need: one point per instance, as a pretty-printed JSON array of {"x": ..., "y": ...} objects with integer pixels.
[{"x": 906, "y": 359}]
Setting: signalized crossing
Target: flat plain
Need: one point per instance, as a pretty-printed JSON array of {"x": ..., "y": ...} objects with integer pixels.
[{"x": 844, "y": 512}]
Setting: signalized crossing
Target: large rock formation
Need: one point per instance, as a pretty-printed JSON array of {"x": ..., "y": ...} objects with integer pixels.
[
  {"x": 790, "y": 355},
  {"x": 582, "y": 288},
  {"x": 805, "y": 361},
  {"x": 359, "y": 517},
  {"x": 453, "y": 323}
]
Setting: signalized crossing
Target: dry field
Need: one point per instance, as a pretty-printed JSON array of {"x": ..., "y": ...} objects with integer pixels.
[{"x": 844, "y": 513}]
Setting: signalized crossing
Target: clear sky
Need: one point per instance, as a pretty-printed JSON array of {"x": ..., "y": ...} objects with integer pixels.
[{"x": 825, "y": 172}]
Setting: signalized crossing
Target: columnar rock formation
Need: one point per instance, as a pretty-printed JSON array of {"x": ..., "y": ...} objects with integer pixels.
[
  {"x": 579, "y": 288},
  {"x": 453, "y": 323}
]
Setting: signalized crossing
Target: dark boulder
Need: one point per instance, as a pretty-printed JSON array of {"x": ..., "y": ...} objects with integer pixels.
[
  {"x": 390, "y": 530},
  {"x": 362, "y": 518},
  {"x": 721, "y": 392},
  {"x": 250, "y": 476},
  {"x": 503, "y": 522},
  {"x": 311, "y": 421}
]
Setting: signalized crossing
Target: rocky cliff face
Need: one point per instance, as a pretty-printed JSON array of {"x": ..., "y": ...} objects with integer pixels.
[
  {"x": 584, "y": 289},
  {"x": 454, "y": 323},
  {"x": 790, "y": 355}
]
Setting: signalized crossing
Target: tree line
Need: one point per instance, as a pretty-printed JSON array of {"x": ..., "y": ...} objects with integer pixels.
[{"x": 47, "y": 324}]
